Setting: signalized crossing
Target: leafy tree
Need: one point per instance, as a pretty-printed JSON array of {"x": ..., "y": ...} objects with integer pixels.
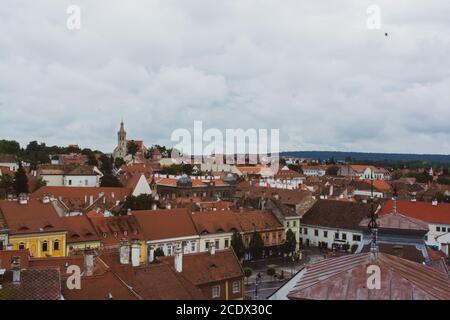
[
  {"x": 118, "y": 162},
  {"x": 295, "y": 167},
  {"x": 271, "y": 272},
  {"x": 290, "y": 243},
  {"x": 9, "y": 147},
  {"x": 248, "y": 272},
  {"x": 159, "y": 252},
  {"x": 256, "y": 246},
  {"x": 20, "y": 181},
  {"x": 109, "y": 180},
  {"x": 238, "y": 245},
  {"x": 39, "y": 184},
  {"x": 7, "y": 183},
  {"x": 141, "y": 202},
  {"x": 345, "y": 247},
  {"x": 105, "y": 164},
  {"x": 332, "y": 171},
  {"x": 443, "y": 180},
  {"x": 132, "y": 148},
  {"x": 397, "y": 174}
]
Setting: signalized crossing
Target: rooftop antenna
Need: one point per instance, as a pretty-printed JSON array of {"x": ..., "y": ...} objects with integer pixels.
[{"x": 373, "y": 226}]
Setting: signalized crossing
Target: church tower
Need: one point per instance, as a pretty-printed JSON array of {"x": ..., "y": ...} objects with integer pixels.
[{"x": 121, "y": 149}]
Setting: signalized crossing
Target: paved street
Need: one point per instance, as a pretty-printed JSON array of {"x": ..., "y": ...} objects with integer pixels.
[{"x": 265, "y": 289}]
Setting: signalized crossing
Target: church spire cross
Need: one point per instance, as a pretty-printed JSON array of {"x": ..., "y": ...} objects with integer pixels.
[{"x": 373, "y": 226}]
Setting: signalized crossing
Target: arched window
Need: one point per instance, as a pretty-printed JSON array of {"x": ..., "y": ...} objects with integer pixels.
[
  {"x": 44, "y": 246},
  {"x": 56, "y": 245},
  {"x": 21, "y": 246}
]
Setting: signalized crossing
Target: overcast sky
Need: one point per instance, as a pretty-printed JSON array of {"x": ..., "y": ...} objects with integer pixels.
[{"x": 312, "y": 69}]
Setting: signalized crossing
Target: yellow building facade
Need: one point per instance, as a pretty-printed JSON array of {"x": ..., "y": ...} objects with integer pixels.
[{"x": 41, "y": 245}]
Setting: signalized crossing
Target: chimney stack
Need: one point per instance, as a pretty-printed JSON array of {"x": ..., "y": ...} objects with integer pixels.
[
  {"x": 88, "y": 262},
  {"x": 15, "y": 266},
  {"x": 178, "y": 258},
  {"x": 151, "y": 255},
  {"x": 212, "y": 248},
  {"x": 23, "y": 198},
  {"x": 124, "y": 251},
  {"x": 135, "y": 253},
  {"x": 45, "y": 198}
]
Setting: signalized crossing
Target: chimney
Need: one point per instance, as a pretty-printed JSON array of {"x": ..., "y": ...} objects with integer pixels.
[
  {"x": 212, "y": 248},
  {"x": 135, "y": 253},
  {"x": 178, "y": 258},
  {"x": 151, "y": 255},
  {"x": 15, "y": 266},
  {"x": 88, "y": 262},
  {"x": 23, "y": 198},
  {"x": 45, "y": 198},
  {"x": 124, "y": 251}
]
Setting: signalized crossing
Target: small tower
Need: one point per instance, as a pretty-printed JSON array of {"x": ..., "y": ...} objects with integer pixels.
[{"x": 121, "y": 150}]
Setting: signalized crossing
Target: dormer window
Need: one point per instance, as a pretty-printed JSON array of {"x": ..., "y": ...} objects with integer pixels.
[
  {"x": 44, "y": 246},
  {"x": 56, "y": 245}
]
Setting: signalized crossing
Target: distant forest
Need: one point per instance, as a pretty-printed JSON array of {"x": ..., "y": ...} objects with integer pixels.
[{"x": 381, "y": 159}]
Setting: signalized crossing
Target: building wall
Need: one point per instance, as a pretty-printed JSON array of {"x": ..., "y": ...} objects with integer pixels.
[
  {"x": 53, "y": 180},
  {"x": 226, "y": 289},
  {"x": 169, "y": 245},
  {"x": 33, "y": 242},
  {"x": 434, "y": 233},
  {"x": 220, "y": 238},
  {"x": 329, "y": 239},
  {"x": 13, "y": 166},
  {"x": 81, "y": 181},
  {"x": 293, "y": 223},
  {"x": 3, "y": 241},
  {"x": 82, "y": 245}
]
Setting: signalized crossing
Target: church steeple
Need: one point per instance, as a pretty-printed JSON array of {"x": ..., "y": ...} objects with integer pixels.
[{"x": 122, "y": 135}]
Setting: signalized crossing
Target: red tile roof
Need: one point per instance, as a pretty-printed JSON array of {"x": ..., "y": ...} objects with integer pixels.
[
  {"x": 425, "y": 211},
  {"x": 203, "y": 268},
  {"x": 345, "y": 278},
  {"x": 79, "y": 229},
  {"x": 35, "y": 284},
  {"x": 33, "y": 217},
  {"x": 165, "y": 224}
]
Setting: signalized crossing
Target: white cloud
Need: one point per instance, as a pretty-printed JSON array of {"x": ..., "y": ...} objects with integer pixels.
[{"x": 311, "y": 69}]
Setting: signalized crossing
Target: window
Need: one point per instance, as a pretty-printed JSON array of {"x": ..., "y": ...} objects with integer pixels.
[
  {"x": 305, "y": 230},
  {"x": 56, "y": 245},
  {"x": 236, "y": 287},
  {"x": 192, "y": 246},
  {"x": 1, "y": 245},
  {"x": 344, "y": 236},
  {"x": 356, "y": 237},
  {"x": 316, "y": 233},
  {"x": 21, "y": 246},
  {"x": 444, "y": 229},
  {"x": 70, "y": 182},
  {"x": 217, "y": 244},
  {"x": 336, "y": 235},
  {"x": 44, "y": 246},
  {"x": 216, "y": 291},
  {"x": 169, "y": 250},
  {"x": 294, "y": 223},
  {"x": 287, "y": 224},
  {"x": 227, "y": 243},
  {"x": 438, "y": 228},
  {"x": 85, "y": 182},
  {"x": 325, "y": 234},
  {"x": 207, "y": 244}
]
